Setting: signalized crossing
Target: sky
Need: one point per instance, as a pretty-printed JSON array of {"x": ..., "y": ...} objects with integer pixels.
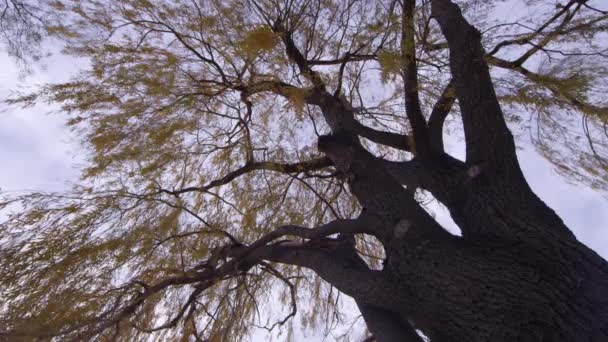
[{"x": 38, "y": 152}]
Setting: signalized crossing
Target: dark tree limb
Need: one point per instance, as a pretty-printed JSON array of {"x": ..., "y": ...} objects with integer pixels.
[
  {"x": 440, "y": 111},
  {"x": 377, "y": 191},
  {"x": 394, "y": 140},
  {"x": 348, "y": 122},
  {"x": 409, "y": 173},
  {"x": 325, "y": 257},
  {"x": 385, "y": 325},
  {"x": 310, "y": 95},
  {"x": 309, "y": 165},
  {"x": 332, "y": 261},
  {"x": 489, "y": 143},
  {"x": 364, "y": 224},
  {"x": 442, "y": 183},
  {"x": 294, "y": 54},
  {"x": 344, "y": 59},
  {"x": 410, "y": 79}
]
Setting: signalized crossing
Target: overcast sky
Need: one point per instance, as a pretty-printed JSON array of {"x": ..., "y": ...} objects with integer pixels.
[{"x": 37, "y": 152}]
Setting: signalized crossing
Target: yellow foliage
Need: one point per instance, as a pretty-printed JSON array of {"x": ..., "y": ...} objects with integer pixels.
[
  {"x": 163, "y": 133},
  {"x": 249, "y": 219},
  {"x": 144, "y": 4},
  {"x": 390, "y": 63},
  {"x": 259, "y": 40},
  {"x": 61, "y": 31},
  {"x": 297, "y": 98},
  {"x": 170, "y": 221},
  {"x": 58, "y": 5},
  {"x": 106, "y": 140},
  {"x": 112, "y": 48}
]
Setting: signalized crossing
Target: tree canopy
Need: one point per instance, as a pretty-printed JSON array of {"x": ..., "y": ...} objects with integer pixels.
[{"x": 203, "y": 124}]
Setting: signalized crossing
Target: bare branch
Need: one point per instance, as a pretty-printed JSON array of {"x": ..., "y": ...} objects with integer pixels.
[
  {"x": 310, "y": 165},
  {"x": 529, "y": 37},
  {"x": 555, "y": 90}
]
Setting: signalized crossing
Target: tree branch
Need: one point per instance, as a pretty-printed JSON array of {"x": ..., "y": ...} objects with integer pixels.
[
  {"x": 440, "y": 111},
  {"x": 294, "y": 54},
  {"x": 528, "y": 38},
  {"x": 489, "y": 143},
  {"x": 541, "y": 80},
  {"x": 242, "y": 258},
  {"x": 410, "y": 79},
  {"x": 345, "y": 59},
  {"x": 309, "y": 165},
  {"x": 398, "y": 141},
  {"x": 334, "y": 263},
  {"x": 376, "y": 190},
  {"x": 442, "y": 183},
  {"x": 538, "y": 46}
]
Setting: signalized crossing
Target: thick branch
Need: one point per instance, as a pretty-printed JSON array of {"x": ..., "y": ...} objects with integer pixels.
[
  {"x": 398, "y": 141},
  {"x": 208, "y": 273},
  {"x": 488, "y": 139},
  {"x": 410, "y": 78},
  {"x": 364, "y": 224},
  {"x": 294, "y": 54},
  {"x": 440, "y": 112},
  {"x": 442, "y": 182},
  {"x": 346, "y": 118},
  {"x": 310, "y": 95},
  {"x": 345, "y": 59},
  {"x": 334, "y": 263},
  {"x": 376, "y": 190},
  {"x": 408, "y": 173}
]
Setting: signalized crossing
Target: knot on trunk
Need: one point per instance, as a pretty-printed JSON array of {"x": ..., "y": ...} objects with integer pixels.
[{"x": 401, "y": 228}]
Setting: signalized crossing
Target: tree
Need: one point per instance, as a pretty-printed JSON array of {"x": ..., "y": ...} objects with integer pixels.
[
  {"x": 22, "y": 29},
  {"x": 207, "y": 167}
]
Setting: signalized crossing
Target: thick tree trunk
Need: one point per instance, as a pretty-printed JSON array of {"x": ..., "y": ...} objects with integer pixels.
[{"x": 503, "y": 291}]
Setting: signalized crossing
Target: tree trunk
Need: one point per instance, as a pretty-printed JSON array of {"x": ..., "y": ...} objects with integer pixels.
[{"x": 503, "y": 291}]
